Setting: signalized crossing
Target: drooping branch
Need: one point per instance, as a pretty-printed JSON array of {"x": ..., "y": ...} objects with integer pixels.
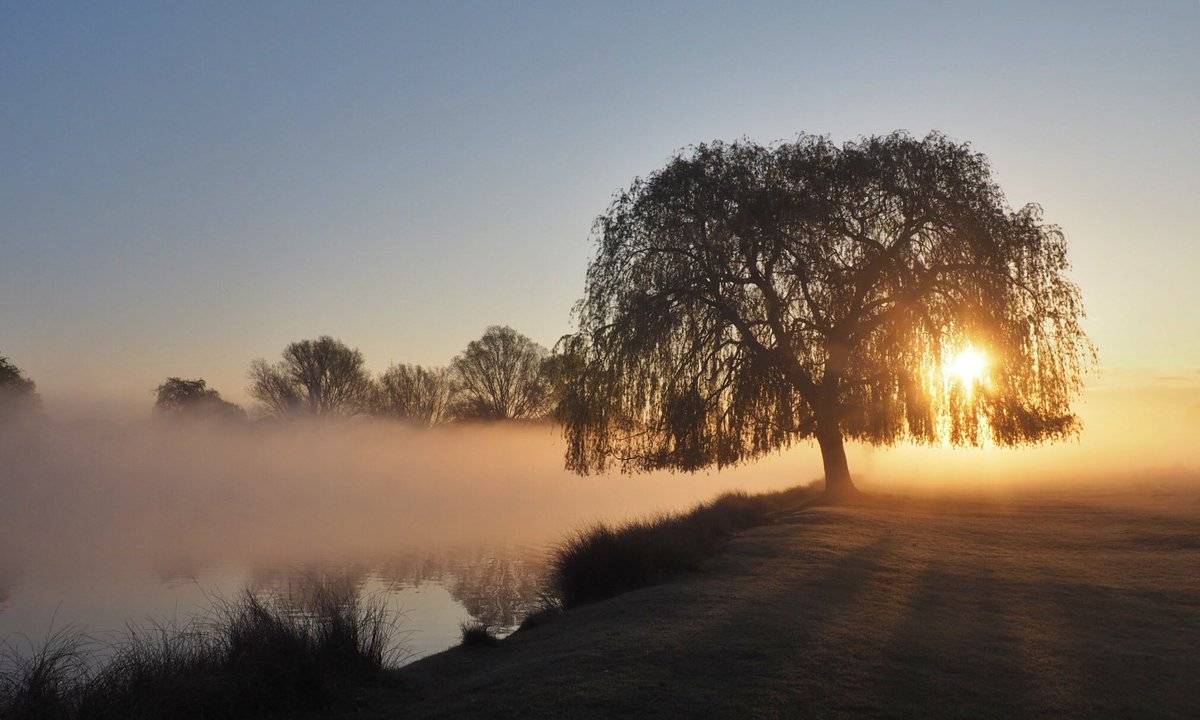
[{"x": 742, "y": 291}]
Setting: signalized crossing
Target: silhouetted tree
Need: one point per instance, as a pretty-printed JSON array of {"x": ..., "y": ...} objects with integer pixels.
[
  {"x": 745, "y": 297},
  {"x": 315, "y": 377},
  {"x": 560, "y": 370},
  {"x": 179, "y": 397},
  {"x": 500, "y": 377},
  {"x": 17, "y": 392},
  {"x": 415, "y": 394}
]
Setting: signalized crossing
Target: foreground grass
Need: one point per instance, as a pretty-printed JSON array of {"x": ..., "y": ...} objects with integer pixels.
[
  {"x": 937, "y": 608},
  {"x": 260, "y": 656},
  {"x": 254, "y": 657},
  {"x": 603, "y": 561}
]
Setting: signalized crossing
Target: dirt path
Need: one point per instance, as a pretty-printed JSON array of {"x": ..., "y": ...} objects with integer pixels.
[{"x": 907, "y": 610}]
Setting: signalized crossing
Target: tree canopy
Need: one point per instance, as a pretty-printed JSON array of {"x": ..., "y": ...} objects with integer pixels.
[
  {"x": 500, "y": 377},
  {"x": 17, "y": 392},
  {"x": 181, "y": 397},
  {"x": 745, "y": 297},
  {"x": 315, "y": 377},
  {"x": 415, "y": 394}
]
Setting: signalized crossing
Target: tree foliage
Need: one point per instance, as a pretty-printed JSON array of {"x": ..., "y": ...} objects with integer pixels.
[
  {"x": 415, "y": 394},
  {"x": 559, "y": 370},
  {"x": 745, "y": 297},
  {"x": 319, "y": 377},
  {"x": 17, "y": 392},
  {"x": 500, "y": 377},
  {"x": 179, "y": 397}
]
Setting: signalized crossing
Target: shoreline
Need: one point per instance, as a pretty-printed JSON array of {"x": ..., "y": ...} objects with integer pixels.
[{"x": 899, "y": 608}]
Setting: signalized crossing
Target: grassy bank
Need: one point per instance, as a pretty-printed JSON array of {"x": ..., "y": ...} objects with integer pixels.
[
  {"x": 253, "y": 657},
  {"x": 263, "y": 656},
  {"x": 938, "y": 608},
  {"x": 605, "y": 560}
]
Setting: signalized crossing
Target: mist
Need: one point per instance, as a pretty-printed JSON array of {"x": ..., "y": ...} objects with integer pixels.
[
  {"x": 111, "y": 517},
  {"x": 106, "y": 488},
  {"x": 93, "y": 486}
]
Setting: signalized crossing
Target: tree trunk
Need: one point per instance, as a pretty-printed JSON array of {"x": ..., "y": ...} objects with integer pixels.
[{"x": 837, "y": 472}]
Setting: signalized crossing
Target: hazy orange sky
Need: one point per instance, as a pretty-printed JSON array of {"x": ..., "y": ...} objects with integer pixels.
[{"x": 186, "y": 188}]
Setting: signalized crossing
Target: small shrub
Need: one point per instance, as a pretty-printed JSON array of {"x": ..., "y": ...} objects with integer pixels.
[{"x": 477, "y": 634}]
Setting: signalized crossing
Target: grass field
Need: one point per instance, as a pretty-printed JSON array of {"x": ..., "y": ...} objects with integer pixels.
[{"x": 1041, "y": 607}]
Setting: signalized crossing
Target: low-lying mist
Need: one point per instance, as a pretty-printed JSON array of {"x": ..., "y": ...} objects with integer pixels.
[
  {"x": 105, "y": 490},
  {"x": 101, "y": 488}
]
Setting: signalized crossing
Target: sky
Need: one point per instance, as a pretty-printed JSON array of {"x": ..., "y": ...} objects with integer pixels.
[{"x": 185, "y": 187}]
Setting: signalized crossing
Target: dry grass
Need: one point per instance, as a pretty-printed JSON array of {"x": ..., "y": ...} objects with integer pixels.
[
  {"x": 602, "y": 561},
  {"x": 254, "y": 657},
  {"x": 924, "y": 608},
  {"x": 477, "y": 634}
]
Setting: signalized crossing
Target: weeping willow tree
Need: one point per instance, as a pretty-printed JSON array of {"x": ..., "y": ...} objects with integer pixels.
[{"x": 744, "y": 298}]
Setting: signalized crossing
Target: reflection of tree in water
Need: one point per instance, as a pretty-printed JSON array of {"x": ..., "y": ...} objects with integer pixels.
[
  {"x": 411, "y": 569},
  {"x": 300, "y": 589},
  {"x": 498, "y": 589},
  {"x": 175, "y": 568},
  {"x": 496, "y": 586}
]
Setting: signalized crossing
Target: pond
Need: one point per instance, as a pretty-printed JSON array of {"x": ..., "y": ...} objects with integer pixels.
[
  {"x": 106, "y": 523},
  {"x": 427, "y": 594}
]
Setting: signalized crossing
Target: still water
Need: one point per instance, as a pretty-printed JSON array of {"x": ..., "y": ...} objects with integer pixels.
[
  {"x": 427, "y": 593},
  {"x": 107, "y": 522}
]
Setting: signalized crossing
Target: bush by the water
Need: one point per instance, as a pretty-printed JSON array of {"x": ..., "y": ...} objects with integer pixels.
[
  {"x": 603, "y": 561},
  {"x": 256, "y": 656},
  {"x": 477, "y": 634}
]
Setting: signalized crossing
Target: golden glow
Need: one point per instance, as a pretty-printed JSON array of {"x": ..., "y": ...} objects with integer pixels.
[{"x": 967, "y": 367}]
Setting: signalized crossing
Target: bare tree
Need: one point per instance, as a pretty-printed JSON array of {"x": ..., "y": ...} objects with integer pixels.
[
  {"x": 415, "y": 394},
  {"x": 746, "y": 297},
  {"x": 500, "y": 377},
  {"x": 179, "y": 397},
  {"x": 315, "y": 377}
]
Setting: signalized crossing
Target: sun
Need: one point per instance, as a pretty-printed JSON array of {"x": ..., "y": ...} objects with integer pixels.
[{"x": 968, "y": 367}]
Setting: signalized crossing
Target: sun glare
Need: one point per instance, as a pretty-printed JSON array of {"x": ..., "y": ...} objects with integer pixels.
[{"x": 967, "y": 367}]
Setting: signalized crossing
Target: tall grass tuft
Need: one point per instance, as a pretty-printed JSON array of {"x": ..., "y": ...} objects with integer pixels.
[
  {"x": 477, "y": 634},
  {"x": 548, "y": 607},
  {"x": 43, "y": 684},
  {"x": 254, "y": 656},
  {"x": 602, "y": 561}
]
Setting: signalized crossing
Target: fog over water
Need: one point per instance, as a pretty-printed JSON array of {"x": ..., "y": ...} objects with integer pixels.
[
  {"x": 107, "y": 517},
  {"x": 96, "y": 490},
  {"x": 98, "y": 487}
]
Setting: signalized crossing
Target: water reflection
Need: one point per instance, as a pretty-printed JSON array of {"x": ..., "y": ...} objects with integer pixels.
[
  {"x": 430, "y": 592},
  {"x": 176, "y": 569},
  {"x": 496, "y": 586}
]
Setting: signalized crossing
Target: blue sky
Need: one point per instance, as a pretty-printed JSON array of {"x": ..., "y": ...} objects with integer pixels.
[{"x": 188, "y": 186}]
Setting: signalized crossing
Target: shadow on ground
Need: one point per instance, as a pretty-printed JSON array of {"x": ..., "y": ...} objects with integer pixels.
[{"x": 894, "y": 609}]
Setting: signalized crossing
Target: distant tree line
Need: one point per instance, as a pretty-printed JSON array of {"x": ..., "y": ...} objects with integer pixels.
[
  {"x": 180, "y": 397},
  {"x": 17, "y": 392},
  {"x": 501, "y": 376}
]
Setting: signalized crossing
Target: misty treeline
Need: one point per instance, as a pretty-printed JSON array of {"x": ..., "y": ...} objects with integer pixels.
[
  {"x": 501, "y": 376},
  {"x": 17, "y": 392}
]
